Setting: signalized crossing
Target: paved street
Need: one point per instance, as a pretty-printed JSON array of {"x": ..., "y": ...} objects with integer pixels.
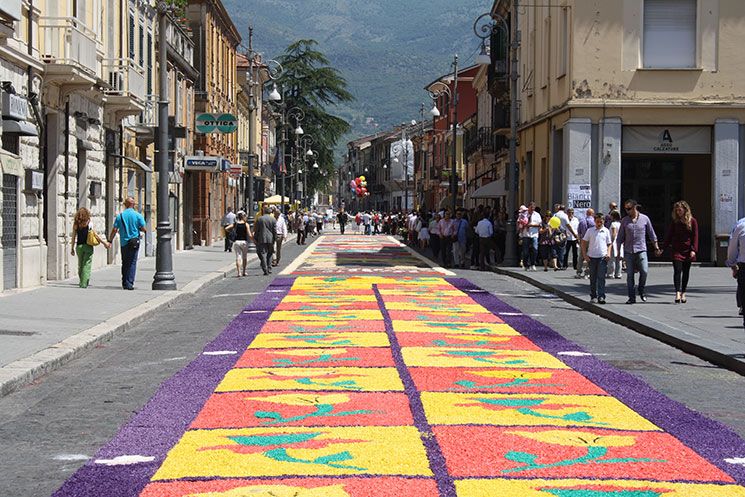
[{"x": 364, "y": 371}]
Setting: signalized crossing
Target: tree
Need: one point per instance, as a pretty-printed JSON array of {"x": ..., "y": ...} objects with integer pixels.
[{"x": 310, "y": 83}]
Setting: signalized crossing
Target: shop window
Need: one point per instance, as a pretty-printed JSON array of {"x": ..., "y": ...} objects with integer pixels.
[{"x": 669, "y": 34}]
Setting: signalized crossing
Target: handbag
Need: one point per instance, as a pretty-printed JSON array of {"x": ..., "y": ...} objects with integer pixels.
[
  {"x": 92, "y": 238},
  {"x": 560, "y": 237}
]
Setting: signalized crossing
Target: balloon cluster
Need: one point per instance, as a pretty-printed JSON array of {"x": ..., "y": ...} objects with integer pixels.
[{"x": 358, "y": 186}]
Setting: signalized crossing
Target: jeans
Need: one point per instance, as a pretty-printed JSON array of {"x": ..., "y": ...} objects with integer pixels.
[
  {"x": 459, "y": 254},
  {"x": 530, "y": 250},
  {"x": 559, "y": 253},
  {"x": 571, "y": 246},
  {"x": 614, "y": 266},
  {"x": 278, "y": 250},
  {"x": 485, "y": 247},
  {"x": 636, "y": 261},
  {"x": 681, "y": 274},
  {"x": 367, "y": 229},
  {"x": 342, "y": 226},
  {"x": 598, "y": 267},
  {"x": 265, "y": 250},
  {"x": 446, "y": 250},
  {"x": 129, "y": 266},
  {"x": 301, "y": 235},
  {"x": 85, "y": 261},
  {"x": 434, "y": 243}
]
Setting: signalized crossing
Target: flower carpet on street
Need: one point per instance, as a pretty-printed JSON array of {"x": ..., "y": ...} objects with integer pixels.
[{"x": 405, "y": 385}]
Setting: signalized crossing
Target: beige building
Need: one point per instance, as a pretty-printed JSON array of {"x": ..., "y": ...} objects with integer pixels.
[{"x": 635, "y": 99}]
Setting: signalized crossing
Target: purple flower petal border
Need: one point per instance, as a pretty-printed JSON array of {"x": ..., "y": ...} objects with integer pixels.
[
  {"x": 711, "y": 439},
  {"x": 158, "y": 426}
]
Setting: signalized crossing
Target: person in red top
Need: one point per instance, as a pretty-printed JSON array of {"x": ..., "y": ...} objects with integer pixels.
[{"x": 682, "y": 238}]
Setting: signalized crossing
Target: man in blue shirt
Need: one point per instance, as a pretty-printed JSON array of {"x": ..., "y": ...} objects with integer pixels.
[
  {"x": 129, "y": 224},
  {"x": 736, "y": 260}
]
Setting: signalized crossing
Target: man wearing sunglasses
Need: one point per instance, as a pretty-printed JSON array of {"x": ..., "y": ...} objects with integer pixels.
[{"x": 635, "y": 229}]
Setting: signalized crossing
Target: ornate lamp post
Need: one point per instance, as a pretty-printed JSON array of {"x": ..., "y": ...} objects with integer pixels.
[
  {"x": 306, "y": 141},
  {"x": 484, "y": 27},
  {"x": 436, "y": 91},
  {"x": 297, "y": 115},
  {"x": 273, "y": 70}
]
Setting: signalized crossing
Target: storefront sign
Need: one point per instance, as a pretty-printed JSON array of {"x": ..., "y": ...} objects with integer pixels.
[
  {"x": 15, "y": 107},
  {"x": 223, "y": 123},
  {"x": 197, "y": 163},
  {"x": 579, "y": 199},
  {"x": 666, "y": 140}
]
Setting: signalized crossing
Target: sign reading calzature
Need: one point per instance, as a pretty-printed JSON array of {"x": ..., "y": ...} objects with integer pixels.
[
  {"x": 667, "y": 140},
  {"x": 223, "y": 123}
]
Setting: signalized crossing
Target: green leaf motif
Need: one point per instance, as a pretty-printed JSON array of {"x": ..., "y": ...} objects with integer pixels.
[{"x": 523, "y": 457}]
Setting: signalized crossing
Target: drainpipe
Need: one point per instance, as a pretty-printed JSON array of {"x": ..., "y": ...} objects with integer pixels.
[{"x": 67, "y": 183}]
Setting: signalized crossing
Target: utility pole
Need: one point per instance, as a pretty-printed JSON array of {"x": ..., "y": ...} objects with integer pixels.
[
  {"x": 251, "y": 126},
  {"x": 164, "y": 278},
  {"x": 453, "y": 168},
  {"x": 510, "y": 255}
]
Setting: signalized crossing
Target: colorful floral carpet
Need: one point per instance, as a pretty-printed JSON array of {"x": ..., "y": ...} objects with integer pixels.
[{"x": 405, "y": 385}]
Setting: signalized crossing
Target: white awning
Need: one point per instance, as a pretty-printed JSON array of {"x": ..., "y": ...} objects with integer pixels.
[
  {"x": 23, "y": 128},
  {"x": 495, "y": 189}
]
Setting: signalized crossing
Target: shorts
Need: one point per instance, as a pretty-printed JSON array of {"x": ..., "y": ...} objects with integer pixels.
[{"x": 240, "y": 247}]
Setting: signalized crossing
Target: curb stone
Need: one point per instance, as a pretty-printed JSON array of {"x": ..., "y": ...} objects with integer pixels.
[
  {"x": 699, "y": 350},
  {"x": 22, "y": 372}
]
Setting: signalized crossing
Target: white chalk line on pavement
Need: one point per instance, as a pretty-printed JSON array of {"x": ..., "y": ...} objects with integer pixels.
[{"x": 302, "y": 257}]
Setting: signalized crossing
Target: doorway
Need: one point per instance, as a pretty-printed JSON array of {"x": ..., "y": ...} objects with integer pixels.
[{"x": 10, "y": 231}]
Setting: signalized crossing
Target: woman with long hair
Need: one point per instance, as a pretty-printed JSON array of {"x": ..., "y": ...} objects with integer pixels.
[
  {"x": 682, "y": 238},
  {"x": 81, "y": 231},
  {"x": 242, "y": 234}
]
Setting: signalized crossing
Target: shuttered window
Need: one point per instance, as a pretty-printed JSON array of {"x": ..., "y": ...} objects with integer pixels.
[
  {"x": 149, "y": 63},
  {"x": 669, "y": 34},
  {"x": 142, "y": 46},
  {"x": 132, "y": 36}
]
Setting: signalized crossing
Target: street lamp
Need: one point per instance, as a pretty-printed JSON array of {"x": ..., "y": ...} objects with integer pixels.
[
  {"x": 306, "y": 142},
  {"x": 484, "y": 27},
  {"x": 436, "y": 91},
  {"x": 296, "y": 114},
  {"x": 164, "y": 278}
]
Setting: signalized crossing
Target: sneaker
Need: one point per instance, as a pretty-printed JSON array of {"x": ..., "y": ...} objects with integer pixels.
[
  {"x": 593, "y": 300},
  {"x": 532, "y": 268},
  {"x": 643, "y": 297},
  {"x": 601, "y": 301},
  {"x": 631, "y": 301}
]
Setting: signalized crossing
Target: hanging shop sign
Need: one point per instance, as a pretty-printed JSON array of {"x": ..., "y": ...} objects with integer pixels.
[
  {"x": 666, "y": 140},
  {"x": 202, "y": 163},
  {"x": 221, "y": 123}
]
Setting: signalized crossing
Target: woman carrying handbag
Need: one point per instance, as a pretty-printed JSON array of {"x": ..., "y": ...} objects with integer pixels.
[
  {"x": 682, "y": 239},
  {"x": 85, "y": 238}
]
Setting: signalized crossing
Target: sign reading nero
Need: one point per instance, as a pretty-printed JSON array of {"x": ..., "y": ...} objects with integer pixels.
[
  {"x": 667, "y": 140},
  {"x": 224, "y": 123}
]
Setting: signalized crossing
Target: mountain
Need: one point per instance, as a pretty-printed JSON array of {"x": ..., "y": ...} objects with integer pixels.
[{"x": 388, "y": 50}]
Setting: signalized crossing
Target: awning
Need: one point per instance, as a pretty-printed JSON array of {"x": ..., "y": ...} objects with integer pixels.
[
  {"x": 23, "y": 128},
  {"x": 136, "y": 162},
  {"x": 276, "y": 199},
  {"x": 11, "y": 164},
  {"x": 495, "y": 189}
]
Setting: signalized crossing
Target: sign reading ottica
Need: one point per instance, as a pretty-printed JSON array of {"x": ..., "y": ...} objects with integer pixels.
[
  {"x": 666, "y": 140},
  {"x": 222, "y": 123}
]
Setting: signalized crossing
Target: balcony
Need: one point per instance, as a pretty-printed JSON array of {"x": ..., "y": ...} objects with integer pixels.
[
  {"x": 70, "y": 51},
  {"x": 125, "y": 78},
  {"x": 145, "y": 122},
  {"x": 484, "y": 141}
]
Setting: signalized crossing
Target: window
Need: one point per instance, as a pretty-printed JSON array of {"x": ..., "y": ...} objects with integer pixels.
[
  {"x": 142, "y": 45},
  {"x": 11, "y": 143},
  {"x": 149, "y": 62},
  {"x": 132, "y": 36},
  {"x": 669, "y": 34}
]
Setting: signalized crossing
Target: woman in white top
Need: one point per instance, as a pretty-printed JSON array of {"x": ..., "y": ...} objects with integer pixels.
[
  {"x": 423, "y": 229},
  {"x": 616, "y": 258},
  {"x": 571, "y": 239}
]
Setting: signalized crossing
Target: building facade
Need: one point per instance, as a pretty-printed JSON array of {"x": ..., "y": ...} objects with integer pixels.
[{"x": 635, "y": 99}]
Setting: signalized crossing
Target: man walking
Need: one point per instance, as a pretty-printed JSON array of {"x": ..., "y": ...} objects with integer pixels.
[
  {"x": 485, "y": 231},
  {"x": 281, "y": 235},
  {"x": 736, "y": 260},
  {"x": 635, "y": 229},
  {"x": 228, "y": 220},
  {"x": 265, "y": 235},
  {"x": 129, "y": 223},
  {"x": 460, "y": 240},
  {"x": 596, "y": 250},
  {"x": 342, "y": 218}
]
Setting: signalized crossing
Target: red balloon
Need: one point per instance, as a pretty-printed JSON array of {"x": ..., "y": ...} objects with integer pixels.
[{"x": 358, "y": 181}]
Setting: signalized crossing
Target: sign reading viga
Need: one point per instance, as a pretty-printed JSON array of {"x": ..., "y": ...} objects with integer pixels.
[{"x": 222, "y": 123}]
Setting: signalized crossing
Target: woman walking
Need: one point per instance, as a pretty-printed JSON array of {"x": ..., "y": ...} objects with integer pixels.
[
  {"x": 242, "y": 233},
  {"x": 682, "y": 238},
  {"x": 616, "y": 257},
  {"x": 545, "y": 244},
  {"x": 85, "y": 238}
]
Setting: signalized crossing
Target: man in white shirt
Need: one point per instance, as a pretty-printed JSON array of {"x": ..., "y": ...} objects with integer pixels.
[
  {"x": 596, "y": 251},
  {"x": 530, "y": 237},
  {"x": 281, "y": 234},
  {"x": 485, "y": 232},
  {"x": 736, "y": 260}
]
